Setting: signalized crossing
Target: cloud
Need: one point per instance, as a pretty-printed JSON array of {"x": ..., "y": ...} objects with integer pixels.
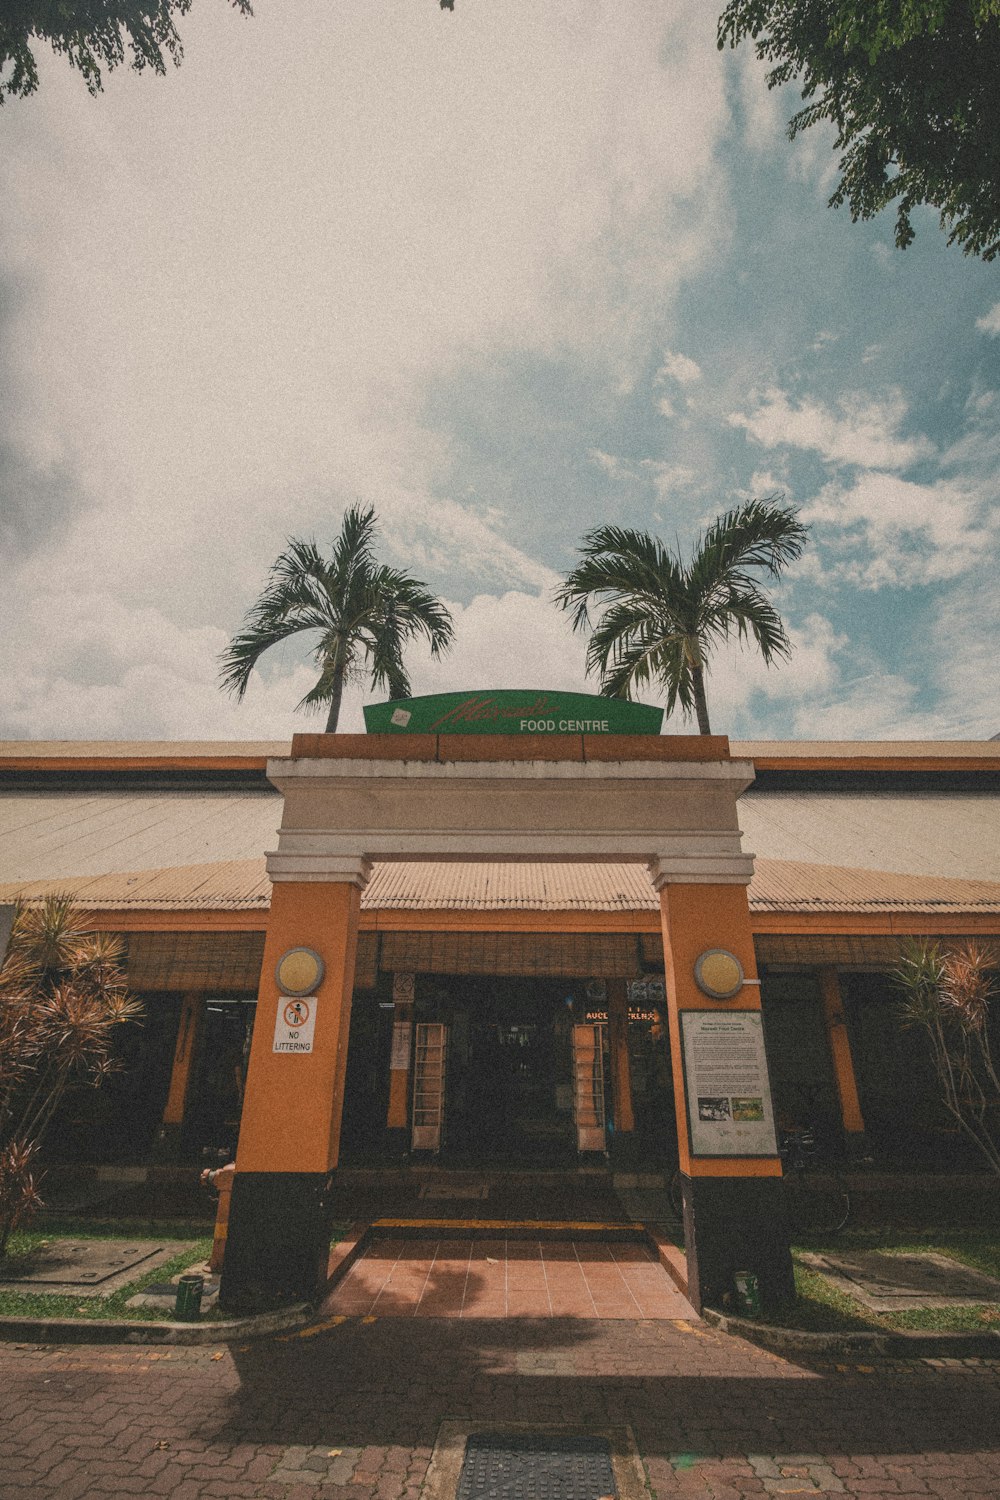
[
  {"x": 747, "y": 697},
  {"x": 863, "y": 431},
  {"x": 665, "y": 478},
  {"x": 990, "y": 322},
  {"x": 962, "y": 645},
  {"x": 609, "y": 464},
  {"x": 897, "y": 533},
  {"x": 669, "y": 479},
  {"x": 90, "y": 667},
  {"x": 42, "y": 483},
  {"x": 869, "y": 700},
  {"x": 508, "y": 640},
  {"x": 677, "y": 367},
  {"x": 238, "y": 314}
]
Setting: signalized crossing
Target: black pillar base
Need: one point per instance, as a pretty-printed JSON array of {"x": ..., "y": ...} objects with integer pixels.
[
  {"x": 855, "y": 1145},
  {"x": 736, "y": 1224},
  {"x": 278, "y": 1244}
]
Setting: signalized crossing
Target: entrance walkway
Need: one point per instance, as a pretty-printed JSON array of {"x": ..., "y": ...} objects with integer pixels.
[
  {"x": 507, "y": 1278},
  {"x": 574, "y": 1195}
]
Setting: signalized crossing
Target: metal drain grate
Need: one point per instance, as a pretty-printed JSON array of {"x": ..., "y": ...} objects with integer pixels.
[{"x": 535, "y": 1466}]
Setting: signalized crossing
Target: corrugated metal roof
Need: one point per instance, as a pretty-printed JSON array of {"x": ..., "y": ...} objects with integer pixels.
[
  {"x": 49, "y": 835},
  {"x": 789, "y": 886},
  {"x": 229, "y": 885},
  {"x": 501, "y": 887},
  {"x": 786, "y": 885},
  {"x": 951, "y": 835}
]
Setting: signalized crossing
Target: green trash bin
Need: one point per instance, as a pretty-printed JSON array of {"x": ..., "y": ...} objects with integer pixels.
[
  {"x": 747, "y": 1293},
  {"x": 188, "y": 1305}
]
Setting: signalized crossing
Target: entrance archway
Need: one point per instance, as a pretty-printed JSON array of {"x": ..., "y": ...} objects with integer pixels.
[{"x": 667, "y": 802}]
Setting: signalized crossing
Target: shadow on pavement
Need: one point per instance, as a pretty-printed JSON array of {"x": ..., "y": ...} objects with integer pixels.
[{"x": 681, "y": 1387}]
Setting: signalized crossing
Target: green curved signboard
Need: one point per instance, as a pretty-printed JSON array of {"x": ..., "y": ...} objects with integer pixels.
[{"x": 512, "y": 711}]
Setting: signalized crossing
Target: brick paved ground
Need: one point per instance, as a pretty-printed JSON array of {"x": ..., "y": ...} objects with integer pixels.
[{"x": 351, "y": 1412}]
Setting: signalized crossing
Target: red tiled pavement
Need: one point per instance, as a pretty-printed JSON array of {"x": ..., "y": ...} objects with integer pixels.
[{"x": 454, "y": 1278}]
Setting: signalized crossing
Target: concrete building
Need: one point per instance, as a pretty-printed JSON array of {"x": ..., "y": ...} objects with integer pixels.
[{"x": 512, "y": 901}]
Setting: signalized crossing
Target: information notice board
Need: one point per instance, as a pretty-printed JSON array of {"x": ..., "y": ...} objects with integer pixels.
[{"x": 725, "y": 1077}]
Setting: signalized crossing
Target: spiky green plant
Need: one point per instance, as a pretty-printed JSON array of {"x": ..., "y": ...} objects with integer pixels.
[
  {"x": 661, "y": 617},
  {"x": 946, "y": 993},
  {"x": 365, "y": 614},
  {"x": 62, "y": 995}
]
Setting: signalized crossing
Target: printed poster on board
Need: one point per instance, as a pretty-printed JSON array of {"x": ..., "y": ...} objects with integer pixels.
[
  {"x": 725, "y": 1074},
  {"x": 402, "y": 1033}
]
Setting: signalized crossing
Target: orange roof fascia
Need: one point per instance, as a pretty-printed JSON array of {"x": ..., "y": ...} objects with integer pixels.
[
  {"x": 858, "y": 923},
  {"x": 457, "y": 919},
  {"x": 131, "y": 919},
  {"x": 391, "y": 920},
  {"x": 876, "y": 763},
  {"x": 772, "y": 924},
  {"x": 774, "y": 755},
  {"x": 85, "y": 763}
]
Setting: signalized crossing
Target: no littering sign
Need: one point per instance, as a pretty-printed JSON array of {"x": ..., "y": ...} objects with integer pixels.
[{"x": 295, "y": 1023}]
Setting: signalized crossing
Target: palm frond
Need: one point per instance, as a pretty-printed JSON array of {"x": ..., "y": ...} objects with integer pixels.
[
  {"x": 644, "y": 662},
  {"x": 657, "y": 618},
  {"x": 758, "y": 534},
  {"x": 352, "y": 548},
  {"x": 236, "y": 664},
  {"x": 415, "y": 609},
  {"x": 356, "y": 605},
  {"x": 618, "y": 563},
  {"x": 748, "y": 612}
]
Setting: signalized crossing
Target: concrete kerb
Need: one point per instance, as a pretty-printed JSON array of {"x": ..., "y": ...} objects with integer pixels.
[
  {"x": 798, "y": 1342},
  {"x": 118, "y": 1331},
  {"x": 793, "y": 1342},
  {"x": 122, "y": 1331}
]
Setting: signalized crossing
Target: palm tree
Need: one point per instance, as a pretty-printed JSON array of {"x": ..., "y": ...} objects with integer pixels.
[
  {"x": 662, "y": 616},
  {"x": 364, "y": 611}
]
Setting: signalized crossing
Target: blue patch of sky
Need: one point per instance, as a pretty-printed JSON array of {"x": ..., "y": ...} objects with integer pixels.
[{"x": 796, "y": 297}]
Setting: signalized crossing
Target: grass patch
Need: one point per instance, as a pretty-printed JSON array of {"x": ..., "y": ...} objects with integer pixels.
[
  {"x": 822, "y": 1307},
  {"x": 14, "y": 1304},
  {"x": 197, "y": 1249},
  {"x": 108, "y": 1229}
]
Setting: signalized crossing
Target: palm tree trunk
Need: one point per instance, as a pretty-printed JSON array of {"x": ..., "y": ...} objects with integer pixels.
[
  {"x": 700, "y": 701},
  {"x": 335, "y": 696}
]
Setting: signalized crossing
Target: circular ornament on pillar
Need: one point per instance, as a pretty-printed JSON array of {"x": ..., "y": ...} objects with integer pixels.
[
  {"x": 718, "y": 974},
  {"x": 298, "y": 971}
]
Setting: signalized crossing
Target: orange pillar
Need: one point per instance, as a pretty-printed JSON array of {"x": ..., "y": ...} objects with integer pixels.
[
  {"x": 621, "y": 1072},
  {"x": 731, "y": 1172},
  {"x": 843, "y": 1062},
  {"x": 279, "y": 1219},
  {"x": 185, "y": 1047}
]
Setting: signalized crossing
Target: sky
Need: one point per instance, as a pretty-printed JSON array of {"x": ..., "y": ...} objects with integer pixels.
[{"x": 506, "y": 273}]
